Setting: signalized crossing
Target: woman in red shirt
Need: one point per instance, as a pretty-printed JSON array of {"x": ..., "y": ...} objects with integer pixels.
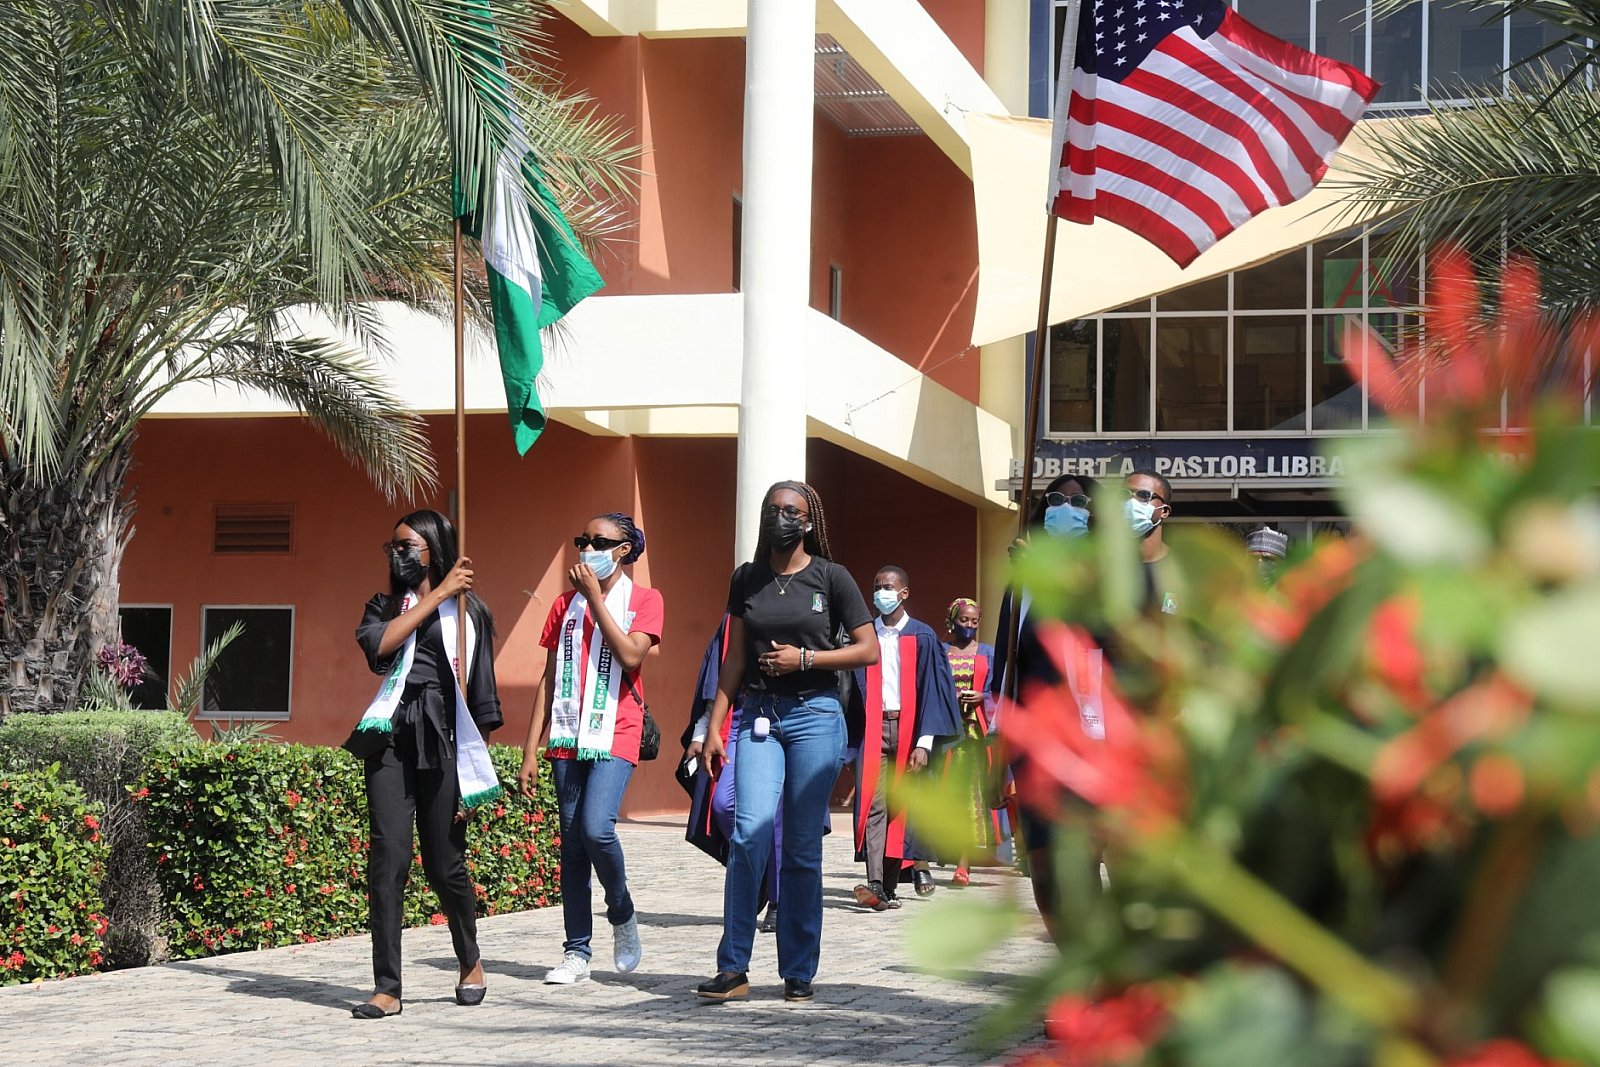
[{"x": 591, "y": 698}]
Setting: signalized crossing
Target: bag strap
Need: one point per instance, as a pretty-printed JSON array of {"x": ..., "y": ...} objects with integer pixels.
[{"x": 641, "y": 701}]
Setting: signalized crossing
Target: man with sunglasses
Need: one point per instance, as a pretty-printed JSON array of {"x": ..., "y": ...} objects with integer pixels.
[{"x": 1147, "y": 509}]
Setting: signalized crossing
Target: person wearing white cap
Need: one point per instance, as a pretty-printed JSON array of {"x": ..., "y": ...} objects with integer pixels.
[{"x": 1269, "y": 547}]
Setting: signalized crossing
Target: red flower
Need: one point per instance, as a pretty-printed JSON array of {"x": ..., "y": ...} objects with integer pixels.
[
  {"x": 1484, "y": 709},
  {"x": 91, "y": 822},
  {"x": 198, "y": 884},
  {"x": 76, "y": 939},
  {"x": 437, "y": 919},
  {"x": 325, "y": 890},
  {"x": 1500, "y": 1053},
  {"x": 292, "y": 799},
  {"x": 1392, "y": 647},
  {"x": 1102, "y": 1033},
  {"x": 52, "y": 929},
  {"x": 266, "y": 924},
  {"x": 538, "y": 816},
  {"x": 96, "y": 959},
  {"x": 247, "y": 893},
  {"x": 101, "y": 924},
  {"x": 505, "y": 850},
  {"x": 289, "y": 888},
  {"x": 499, "y": 811},
  {"x": 1135, "y": 770},
  {"x": 143, "y": 792}
]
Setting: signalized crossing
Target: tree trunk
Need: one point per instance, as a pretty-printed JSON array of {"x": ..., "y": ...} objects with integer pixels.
[{"x": 60, "y": 552}]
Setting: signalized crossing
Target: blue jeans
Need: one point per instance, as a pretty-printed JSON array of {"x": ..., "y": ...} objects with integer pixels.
[
  {"x": 797, "y": 763},
  {"x": 722, "y": 806},
  {"x": 589, "y": 793}
]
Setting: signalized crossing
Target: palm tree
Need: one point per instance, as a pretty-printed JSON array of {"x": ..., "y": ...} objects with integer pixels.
[
  {"x": 1518, "y": 171},
  {"x": 174, "y": 174}
]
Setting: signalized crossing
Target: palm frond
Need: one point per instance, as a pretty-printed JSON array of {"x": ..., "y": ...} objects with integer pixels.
[{"x": 1520, "y": 174}]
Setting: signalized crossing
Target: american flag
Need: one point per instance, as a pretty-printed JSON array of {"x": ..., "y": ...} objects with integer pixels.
[{"x": 1185, "y": 121}]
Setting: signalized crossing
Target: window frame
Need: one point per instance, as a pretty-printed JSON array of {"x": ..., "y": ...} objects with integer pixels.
[
  {"x": 201, "y": 713},
  {"x": 171, "y": 610}
]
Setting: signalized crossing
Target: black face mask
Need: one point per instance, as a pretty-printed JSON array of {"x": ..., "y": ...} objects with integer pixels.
[
  {"x": 406, "y": 568},
  {"x": 782, "y": 531}
]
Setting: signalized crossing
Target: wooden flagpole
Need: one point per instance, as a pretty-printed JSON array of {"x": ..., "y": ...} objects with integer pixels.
[
  {"x": 1041, "y": 352},
  {"x": 1068, "y": 62},
  {"x": 458, "y": 296}
]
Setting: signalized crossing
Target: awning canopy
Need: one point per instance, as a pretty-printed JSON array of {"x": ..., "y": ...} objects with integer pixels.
[{"x": 1103, "y": 266}]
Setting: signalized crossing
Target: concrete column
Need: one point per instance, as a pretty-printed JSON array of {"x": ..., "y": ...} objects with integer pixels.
[
  {"x": 779, "y": 92},
  {"x": 1002, "y": 381}
]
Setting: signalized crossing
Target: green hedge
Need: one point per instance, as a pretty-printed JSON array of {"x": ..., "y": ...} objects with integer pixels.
[
  {"x": 260, "y": 845},
  {"x": 104, "y": 753},
  {"x": 52, "y": 859}
]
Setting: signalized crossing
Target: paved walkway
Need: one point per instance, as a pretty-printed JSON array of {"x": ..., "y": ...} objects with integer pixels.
[{"x": 291, "y": 1005}]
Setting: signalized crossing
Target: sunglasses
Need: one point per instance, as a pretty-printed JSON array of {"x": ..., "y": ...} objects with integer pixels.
[
  {"x": 1056, "y": 500},
  {"x": 398, "y": 547},
  {"x": 1144, "y": 496},
  {"x": 601, "y": 544}
]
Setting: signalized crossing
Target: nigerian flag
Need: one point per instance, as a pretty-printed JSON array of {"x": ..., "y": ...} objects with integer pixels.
[{"x": 537, "y": 273}]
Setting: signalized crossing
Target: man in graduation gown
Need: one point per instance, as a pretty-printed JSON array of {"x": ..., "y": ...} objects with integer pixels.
[{"x": 908, "y": 701}]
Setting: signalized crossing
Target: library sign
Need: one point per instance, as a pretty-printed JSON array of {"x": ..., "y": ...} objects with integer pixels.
[{"x": 1197, "y": 459}]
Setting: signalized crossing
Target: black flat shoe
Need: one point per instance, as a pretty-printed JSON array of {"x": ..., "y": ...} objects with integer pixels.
[
  {"x": 923, "y": 880},
  {"x": 372, "y": 1011},
  {"x": 796, "y": 990},
  {"x": 727, "y": 985},
  {"x": 470, "y": 995}
]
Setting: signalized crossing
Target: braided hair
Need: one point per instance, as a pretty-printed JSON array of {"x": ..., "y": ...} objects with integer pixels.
[
  {"x": 817, "y": 539},
  {"x": 440, "y": 536},
  {"x": 630, "y": 533},
  {"x": 957, "y": 606}
]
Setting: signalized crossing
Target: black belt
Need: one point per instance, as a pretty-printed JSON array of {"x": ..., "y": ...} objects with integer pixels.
[{"x": 891, "y": 716}]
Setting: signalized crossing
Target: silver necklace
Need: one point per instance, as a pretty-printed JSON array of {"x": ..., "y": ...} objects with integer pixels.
[{"x": 783, "y": 586}]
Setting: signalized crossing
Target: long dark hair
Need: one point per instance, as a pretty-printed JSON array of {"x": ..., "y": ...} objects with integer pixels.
[
  {"x": 440, "y": 535},
  {"x": 816, "y": 540}
]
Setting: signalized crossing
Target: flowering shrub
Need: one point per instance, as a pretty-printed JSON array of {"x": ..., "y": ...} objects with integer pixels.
[
  {"x": 123, "y": 663},
  {"x": 1349, "y": 818},
  {"x": 104, "y": 752},
  {"x": 52, "y": 855},
  {"x": 259, "y": 845}
]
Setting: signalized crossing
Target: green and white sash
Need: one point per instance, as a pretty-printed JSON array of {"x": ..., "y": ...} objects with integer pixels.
[
  {"x": 474, "y": 770},
  {"x": 584, "y": 717}
]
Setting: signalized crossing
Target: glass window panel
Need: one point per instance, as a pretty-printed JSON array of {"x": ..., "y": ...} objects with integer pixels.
[
  {"x": 1138, "y": 307},
  {"x": 1125, "y": 375},
  {"x": 1289, "y": 20},
  {"x": 1397, "y": 54},
  {"x": 252, "y": 674},
  {"x": 150, "y": 631},
  {"x": 1392, "y": 281},
  {"x": 1276, "y": 285},
  {"x": 1269, "y": 372},
  {"x": 1209, "y": 295},
  {"x": 1072, "y": 378},
  {"x": 1396, "y": 333},
  {"x": 1530, "y": 34},
  {"x": 1342, "y": 31},
  {"x": 1335, "y": 394},
  {"x": 1466, "y": 50},
  {"x": 1336, "y": 276},
  {"x": 1191, "y": 374}
]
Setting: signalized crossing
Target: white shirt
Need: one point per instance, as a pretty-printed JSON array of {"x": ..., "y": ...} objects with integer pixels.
[{"x": 889, "y": 665}]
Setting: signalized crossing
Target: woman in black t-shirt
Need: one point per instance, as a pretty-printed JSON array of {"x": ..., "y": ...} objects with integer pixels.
[{"x": 786, "y": 607}]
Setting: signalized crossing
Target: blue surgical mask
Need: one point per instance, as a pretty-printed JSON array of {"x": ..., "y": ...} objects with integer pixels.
[
  {"x": 963, "y": 633},
  {"x": 1141, "y": 516},
  {"x": 1064, "y": 520},
  {"x": 887, "y": 601},
  {"x": 602, "y": 563}
]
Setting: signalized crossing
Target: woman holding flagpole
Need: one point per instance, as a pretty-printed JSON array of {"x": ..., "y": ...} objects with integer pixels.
[
  {"x": 423, "y": 742},
  {"x": 598, "y": 635}
]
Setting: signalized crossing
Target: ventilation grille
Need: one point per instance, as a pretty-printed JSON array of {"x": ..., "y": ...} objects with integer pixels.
[{"x": 247, "y": 529}]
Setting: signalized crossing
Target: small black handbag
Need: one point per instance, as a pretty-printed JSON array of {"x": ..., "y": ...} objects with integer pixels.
[{"x": 649, "y": 732}]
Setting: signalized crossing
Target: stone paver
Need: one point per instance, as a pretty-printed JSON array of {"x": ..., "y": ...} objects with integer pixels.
[{"x": 291, "y": 1005}]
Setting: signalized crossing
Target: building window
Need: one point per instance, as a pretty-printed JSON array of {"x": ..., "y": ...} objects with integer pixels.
[
  {"x": 835, "y": 292},
  {"x": 251, "y": 679},
  {"x": 738, "y": 244},
  {"x": 1432, "y": 51},
  {"x": 148, "y": 628}
]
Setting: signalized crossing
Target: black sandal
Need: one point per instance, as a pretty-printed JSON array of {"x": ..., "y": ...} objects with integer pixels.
[{"x": 370, "y": 1010}]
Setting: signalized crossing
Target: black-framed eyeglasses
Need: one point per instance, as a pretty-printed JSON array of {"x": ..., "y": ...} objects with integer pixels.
[
  {"x": 1144, "y": 496},
  {"x": 397, "y": 547},
  {"x": 788, "y": 511},
  {"x": 1056, "y": 500},
  {"x": 601, "y": 544}
]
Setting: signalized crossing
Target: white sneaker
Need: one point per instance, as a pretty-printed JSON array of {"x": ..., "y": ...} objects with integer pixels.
[
  {"x": 626, "y": 951},
  {"x": 572, "y": 969}
]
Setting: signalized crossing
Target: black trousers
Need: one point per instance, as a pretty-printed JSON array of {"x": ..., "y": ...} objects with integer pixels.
[{"x": 397, "y": 795}]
